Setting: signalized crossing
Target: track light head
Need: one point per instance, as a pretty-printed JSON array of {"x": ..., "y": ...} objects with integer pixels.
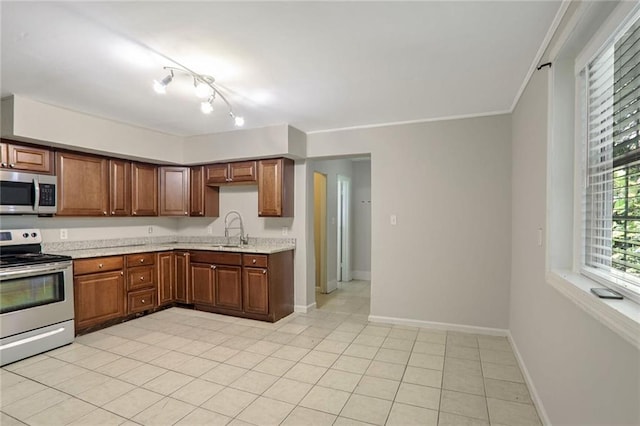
[{"x": 161, "y": 86}]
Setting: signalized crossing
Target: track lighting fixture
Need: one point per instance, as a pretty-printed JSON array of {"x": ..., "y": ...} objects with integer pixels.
[
  {"x": 161, "y": 86},
  {"x": 204, "y": 88}
]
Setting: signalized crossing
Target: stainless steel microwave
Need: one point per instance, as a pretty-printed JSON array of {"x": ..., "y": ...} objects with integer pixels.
[{"x": 27, "y": 193}]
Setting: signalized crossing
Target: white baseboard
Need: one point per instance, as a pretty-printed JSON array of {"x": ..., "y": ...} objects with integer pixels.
[
  {"x": 304, "y": 309},
  {"x": 537, "y": 401},
  {"x": 440, "y": 325},
  {"x": 361, "y": 275}
]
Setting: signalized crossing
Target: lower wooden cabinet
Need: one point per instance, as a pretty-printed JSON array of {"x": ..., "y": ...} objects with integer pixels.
[
  {"x": 255, "y": 291},
  {"x": 228, "y": 287},
  {"x": 166, "y": 278},
  {"x": 181, "y": 284},
  {"x": 141, "y": 282},
  {"x": 98, "y": 296},
  {"x": 254, "y": 286},
  {"x": 202, "y": 283}
]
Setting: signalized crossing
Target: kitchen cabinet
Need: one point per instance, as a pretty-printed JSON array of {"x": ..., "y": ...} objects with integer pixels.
[
  {"x": 223, "y": 284},
  {"x": 174, "y": 191},
  {"x": 202, "y": 283},
  {"x": 83, "y": 184},
  {"x": 25, "y": 158},
  {"x": 119, "y": 187},
  {"x": 141, "y": 282},
  {"x": 204, "y": 199},
  {"x": 144, "y": 189},
  {"x": 228, "y": 173},
  {"x": 99, "y": 291},
  {"x": 166, "y": 277},
  {"x": 255, "y": 290},
  {"x": 182, "y": 286},
  {"x": 275, "y": 187}
]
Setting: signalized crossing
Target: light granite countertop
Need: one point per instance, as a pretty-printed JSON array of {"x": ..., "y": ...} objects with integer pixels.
[{"x": 82, "y": 250}]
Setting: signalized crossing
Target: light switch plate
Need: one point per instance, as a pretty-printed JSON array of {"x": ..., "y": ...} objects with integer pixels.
[
  {"x": 64, "y": 234},
  {"x": 394, "y": 219}
]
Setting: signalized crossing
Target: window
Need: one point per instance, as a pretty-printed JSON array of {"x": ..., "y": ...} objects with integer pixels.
[{"x": 612, "y": 195}]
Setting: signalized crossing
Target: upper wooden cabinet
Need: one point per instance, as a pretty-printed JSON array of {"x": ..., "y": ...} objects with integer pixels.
[
  {"x": 275, "y": 187},
  {"x": 83, "y": 185},
  {"x": 119, "y": 187},
  {"x": 174, "y": 191},
  {"x": 227, "y": 173},
  {"x": 205, "y": 199},
  {"x": 27, "y": 158},
  {"x": 144, "y": 189}
]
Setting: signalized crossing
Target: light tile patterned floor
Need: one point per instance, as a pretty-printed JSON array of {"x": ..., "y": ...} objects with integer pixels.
[{"x": 327, "y": 367}]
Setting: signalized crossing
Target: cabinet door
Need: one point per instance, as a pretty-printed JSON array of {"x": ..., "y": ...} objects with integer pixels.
[
  {"x": 98, "y": 298},
  {"x": 166, "y": 274},
  {"x": 243, "y": 171},
  {"x": 275, "y": 187},
  {"x": 174, "y": 191},
  {"x": 202, "y": 283},
  {"x": 4, "y": 155},
  {"x": 228, "y": 284},
  {"x": 144, "y": 189},
  {"x": 28, "y": 158},
  {"x": 196, "y": 204},
  {"x": 216, "y": 173},
  {"x": 83, "y": 185},
  {"x": 182, "y": 287},
  {"x": 119, "y": 187},
  {"x": 255, "y": 291}
]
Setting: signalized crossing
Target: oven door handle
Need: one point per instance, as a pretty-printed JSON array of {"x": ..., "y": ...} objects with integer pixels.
[{"x": 31, "y": 271}]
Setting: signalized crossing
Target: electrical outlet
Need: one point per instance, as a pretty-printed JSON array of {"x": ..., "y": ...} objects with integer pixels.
[
  {"x": 210, "y": 230},
  {"x": 64, "y": 234},
  {"x": 285, "y": 231},
  {"x": 150, "y": 230}
]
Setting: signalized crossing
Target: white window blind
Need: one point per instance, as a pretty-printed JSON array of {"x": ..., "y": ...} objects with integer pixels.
[{"x": 612, "y": 198}]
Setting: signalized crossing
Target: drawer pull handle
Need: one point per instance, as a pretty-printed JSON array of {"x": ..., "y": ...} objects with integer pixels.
[
  {"x": 141, "y": 278},
  {"x": 253, "y": 261},
  {"x": 264, "y": 272},
  {"x": 142, "y": 300},
  {"x": 3, "y": 164},
  {"x": 113, "y": 213},
  {"x": 213, "y": 266},
  {"x": 186, "y": 214},
  {"x": 104, "y": 213},
  {"x": 12, "y": 165},
  {"x": 121, "y": 273},
  {"x": 100, "y": 265},
  {"x": 141, "y": 260}
]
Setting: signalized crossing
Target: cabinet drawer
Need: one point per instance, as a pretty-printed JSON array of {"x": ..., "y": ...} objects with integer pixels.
[
  {"x": 257, "y": 260},
  {"x": 142, "y": 300},
  {"x": 141, "y": 277},
  {"x": 140, "y": 259},
  {"x": 216, "y": 258},
  {"x": 97, "y": 264}
]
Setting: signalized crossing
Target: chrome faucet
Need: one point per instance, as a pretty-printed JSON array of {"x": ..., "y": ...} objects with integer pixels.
[{"x": 244, "y": 239}]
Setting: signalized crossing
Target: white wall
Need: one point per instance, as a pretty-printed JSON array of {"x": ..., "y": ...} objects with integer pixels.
[
  {"x": 583, "y": 372},
  {"x": 361, "y": 219},
  {"x": 447, "y": 259},
  {"x": 24, "y": 119}
]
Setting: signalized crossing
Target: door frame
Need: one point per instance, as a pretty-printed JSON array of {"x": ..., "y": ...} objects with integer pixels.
[
  {"x": 320, "y": 229},
  {"x": 343, "y": 202}
]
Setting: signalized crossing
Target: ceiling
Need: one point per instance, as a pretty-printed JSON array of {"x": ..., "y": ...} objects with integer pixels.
[{"x": 313, "y": 65}]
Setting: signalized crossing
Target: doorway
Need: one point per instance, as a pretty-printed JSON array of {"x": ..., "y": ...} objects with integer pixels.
[
  {"x": 344, "y": 232},
  {"x": 320, "y": 228}
]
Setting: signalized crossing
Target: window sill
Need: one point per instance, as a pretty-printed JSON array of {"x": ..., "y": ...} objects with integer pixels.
[{"x": 621, "y": 316}]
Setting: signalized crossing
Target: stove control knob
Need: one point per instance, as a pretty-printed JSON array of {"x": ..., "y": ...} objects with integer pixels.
[
  {"x": 33, "y": 234},
  {"x": 25, "y": 235}
]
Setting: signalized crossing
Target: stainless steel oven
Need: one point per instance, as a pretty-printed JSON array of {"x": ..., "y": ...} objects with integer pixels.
[{"x": 36, "y": 297}]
